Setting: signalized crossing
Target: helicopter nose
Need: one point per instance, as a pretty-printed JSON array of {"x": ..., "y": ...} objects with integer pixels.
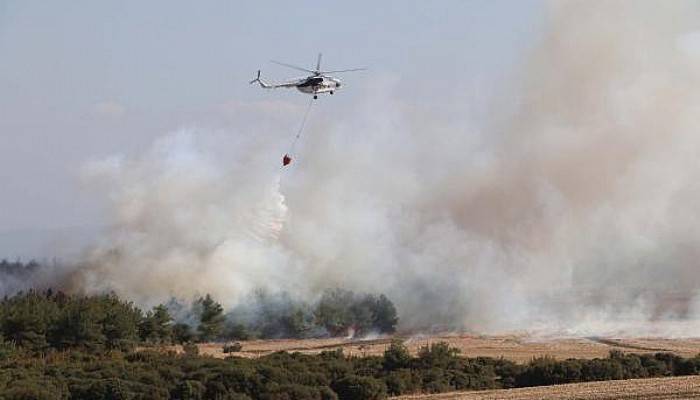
[{"x": 337, "y": 84}]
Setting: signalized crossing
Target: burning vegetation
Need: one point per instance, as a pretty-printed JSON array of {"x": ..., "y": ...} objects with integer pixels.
[{"x": 50, "y": 320}]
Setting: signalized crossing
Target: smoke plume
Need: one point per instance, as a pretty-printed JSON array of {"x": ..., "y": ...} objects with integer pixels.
[{"x": 573, "y": 208}]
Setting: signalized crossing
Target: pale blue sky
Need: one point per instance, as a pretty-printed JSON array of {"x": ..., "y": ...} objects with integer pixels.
[{"x": 86, "y": 79}]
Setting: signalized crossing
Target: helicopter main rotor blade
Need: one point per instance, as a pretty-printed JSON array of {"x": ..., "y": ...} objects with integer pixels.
[
  {"x": 293, "y": 66},
  {"x": 318, "y": 62},
  {"x": 343, "y": 70}
]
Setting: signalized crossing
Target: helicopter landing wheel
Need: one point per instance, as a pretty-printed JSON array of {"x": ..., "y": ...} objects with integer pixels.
[
  {"x": 315, "y": 97},
  {"x": 331, "y": 92}
]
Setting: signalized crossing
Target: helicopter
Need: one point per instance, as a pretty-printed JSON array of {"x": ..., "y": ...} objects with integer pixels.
[{"x": 316, "y": 83}]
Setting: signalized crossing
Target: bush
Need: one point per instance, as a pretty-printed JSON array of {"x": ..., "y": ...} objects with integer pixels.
[
  {"x": 7, "y": 350},
  {"x": 293, "y": 392},
  {"x": 402, "y": 381},
  {"x": 542, "y": 371},
  {"x": 190, "y": 349},
  {"x": 437, "y": 355},
  {"x": 154, "y": 375},
  {"x": 353, "y": 387},
  {"x": 189, "y": 390},
  {"x": 327, "y": 393},
  {"x": 436, "y": 381},
  {"x": 396, "y": 356},
  {"x": 30, "y": 393},
  {"x": 601, "y": 370}
]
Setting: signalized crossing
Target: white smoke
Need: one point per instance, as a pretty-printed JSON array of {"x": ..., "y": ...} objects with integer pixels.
[
  {"x": 576, "y": 210},
  {"x": 184, "y": 224}
]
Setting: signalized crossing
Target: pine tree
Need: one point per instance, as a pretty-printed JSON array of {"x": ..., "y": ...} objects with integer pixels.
[
  {"x": 156, "y": 326},
  {"x": 211, "y": 318}
]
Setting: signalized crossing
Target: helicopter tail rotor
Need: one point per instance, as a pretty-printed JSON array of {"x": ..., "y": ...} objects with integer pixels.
[
  {"x": 260, "y": 82},
  {"x": 257, "y": 79}
]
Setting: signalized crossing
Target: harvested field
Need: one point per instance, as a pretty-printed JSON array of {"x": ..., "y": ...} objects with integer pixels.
[
  {"x": 686, "y": 387},
  {"x": 519, "y": 348}
]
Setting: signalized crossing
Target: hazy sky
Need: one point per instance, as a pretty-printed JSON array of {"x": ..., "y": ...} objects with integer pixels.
[{"x": 83, "y": 80}]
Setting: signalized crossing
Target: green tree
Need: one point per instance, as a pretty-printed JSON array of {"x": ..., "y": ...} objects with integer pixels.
[
  {"x": 340, "y": 309},
  {"x": 79, "y": 325},
  {"x": 156, "y": 326},
  {"x": 119, "y": 320},
  {"x": 237, "y": 331},
  {"x": 25, "y": 320},
  {"x": 333, "y": 311},
  {"x": 211, "y": 318},
  {"x": 362, "y": 313},
  {"x": 182, "y": 333},
  {"x": 385, "y": 315}
]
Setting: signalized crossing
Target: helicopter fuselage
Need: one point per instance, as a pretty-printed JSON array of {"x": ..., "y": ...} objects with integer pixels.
[{"x": 319, "y": 84}]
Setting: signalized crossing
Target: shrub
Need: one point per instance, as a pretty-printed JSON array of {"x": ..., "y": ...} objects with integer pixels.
[
  {"x": 190, "y": 349},
  {"x": 601, "y": 370},
  {"x": 437, "y": 355},
  {"x": 7, "y": 350},
  {"x": 293, "y": 392},
  {"x": 327, "y": 393},
  {"x": 435, "y": 381},
  {"x": 189, "y": 390},
  {"x": 353, "y": 387},
  {"x": 402, "y": 381},
  {"x": 396, "y": 356},
  {"x": 30, "y": 393}
]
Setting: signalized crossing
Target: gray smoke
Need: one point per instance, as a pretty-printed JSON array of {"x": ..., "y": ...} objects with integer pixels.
[{"x": 573, "y": 208}]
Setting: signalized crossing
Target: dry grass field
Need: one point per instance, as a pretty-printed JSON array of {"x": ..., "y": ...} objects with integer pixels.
[
  {"x": 519, "y": 348},
  {"x": 687, "y": 387}
]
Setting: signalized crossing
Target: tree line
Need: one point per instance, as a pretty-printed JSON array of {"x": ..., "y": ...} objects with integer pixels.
[
  {"x": 53, "y": 321},
  {"x": 331, "y": 375}
]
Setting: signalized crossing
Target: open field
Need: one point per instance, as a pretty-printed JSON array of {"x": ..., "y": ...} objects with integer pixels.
[
  {"x": 519, "y": 348},
  {"x": 686, "y": 387}
]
